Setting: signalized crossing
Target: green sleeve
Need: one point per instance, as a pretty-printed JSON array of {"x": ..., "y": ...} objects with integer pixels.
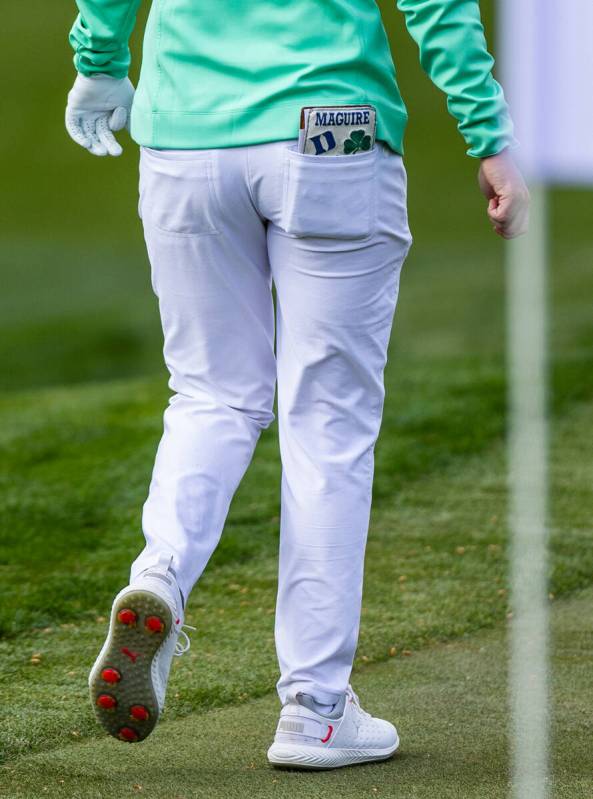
[
  {"x": 100, "y": 36},
  {"x": 453, "y": 52}
]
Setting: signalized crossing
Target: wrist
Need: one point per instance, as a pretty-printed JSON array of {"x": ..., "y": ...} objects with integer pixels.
[
  {"x": 505, "y": 153},
  {"x": 98, "y": 77}
]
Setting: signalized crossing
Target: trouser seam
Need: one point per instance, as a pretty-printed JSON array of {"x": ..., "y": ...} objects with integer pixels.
[{"x": 248, "y": 182}]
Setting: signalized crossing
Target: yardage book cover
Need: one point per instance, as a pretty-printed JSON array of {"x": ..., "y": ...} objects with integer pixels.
[{"x": 337, "y": 129}]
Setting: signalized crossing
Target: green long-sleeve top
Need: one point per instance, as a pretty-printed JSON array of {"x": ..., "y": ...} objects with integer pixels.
[{"x": 224, "y": 73}]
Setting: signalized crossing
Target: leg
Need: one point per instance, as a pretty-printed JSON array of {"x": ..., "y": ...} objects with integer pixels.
[
  {"x": 208, "y": 252},
  {"x": 335, "y": 298}
]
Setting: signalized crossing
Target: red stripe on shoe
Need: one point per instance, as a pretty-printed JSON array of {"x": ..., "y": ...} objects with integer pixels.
[
  {"x": 330, "y": 729},
  {"x": 132, "y": 655}
]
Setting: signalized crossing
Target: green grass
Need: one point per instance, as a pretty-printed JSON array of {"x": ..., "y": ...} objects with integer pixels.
[
  {"x": 448, "y": 702},
  {"x": 76, "y": 460},
  {"x": 82, "y": 393},
  {"x": 436, "y": 569}
]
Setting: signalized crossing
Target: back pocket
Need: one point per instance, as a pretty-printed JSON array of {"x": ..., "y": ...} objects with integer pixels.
[
  {"x": 329, "y": 196},
  {"x": 178, "y": 194}
]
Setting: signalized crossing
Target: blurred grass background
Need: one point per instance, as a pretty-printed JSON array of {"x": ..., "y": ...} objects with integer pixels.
[{"x": 82, "y": 389}]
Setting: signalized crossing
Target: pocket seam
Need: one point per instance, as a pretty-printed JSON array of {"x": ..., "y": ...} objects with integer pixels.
[
  {"x": 291, "y": 155},
  {"x": 213, "y": 229}
]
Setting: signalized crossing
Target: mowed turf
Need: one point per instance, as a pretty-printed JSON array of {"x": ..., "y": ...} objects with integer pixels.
[
  {"x": 80, "y": 418},
  {"x": 78, "y": 461},
  {"x": 449, "y": 702}
]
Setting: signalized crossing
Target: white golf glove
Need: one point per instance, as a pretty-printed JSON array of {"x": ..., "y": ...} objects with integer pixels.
[{"x": 97, "y": 107}]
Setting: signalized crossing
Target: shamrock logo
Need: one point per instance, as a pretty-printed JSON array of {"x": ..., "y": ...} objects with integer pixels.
[{"x": 358, "y": 141}]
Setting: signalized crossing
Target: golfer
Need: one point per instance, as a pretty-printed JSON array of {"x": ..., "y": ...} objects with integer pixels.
[{"x": 234, "y": 201}]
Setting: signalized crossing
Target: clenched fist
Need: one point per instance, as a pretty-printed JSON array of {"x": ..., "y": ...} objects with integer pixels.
[{"x": 503, "y": 186}]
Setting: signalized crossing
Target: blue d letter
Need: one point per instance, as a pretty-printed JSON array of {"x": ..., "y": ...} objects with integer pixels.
[{"x": 330, "y": 141}]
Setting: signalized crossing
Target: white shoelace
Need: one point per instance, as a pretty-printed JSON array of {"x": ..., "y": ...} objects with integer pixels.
[
  {"x": 181, "y": 647},
  {"x": 354, "y": 698}
]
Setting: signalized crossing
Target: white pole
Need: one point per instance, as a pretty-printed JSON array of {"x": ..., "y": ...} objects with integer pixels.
[{"x": 527, "y": 452}]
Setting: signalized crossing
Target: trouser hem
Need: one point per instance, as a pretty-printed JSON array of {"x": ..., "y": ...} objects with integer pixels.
[{"x": 324, "y": 697}]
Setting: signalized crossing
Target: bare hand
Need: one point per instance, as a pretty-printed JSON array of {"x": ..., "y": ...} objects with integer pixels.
[{"x": 503, "y": 186}]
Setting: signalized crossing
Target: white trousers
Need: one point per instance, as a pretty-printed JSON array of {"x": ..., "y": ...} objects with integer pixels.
[{"x": 331, "y": 233}]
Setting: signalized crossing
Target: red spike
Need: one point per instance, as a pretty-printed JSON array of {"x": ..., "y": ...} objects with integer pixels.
[
  {"x": 110, "y": 675},
  {"x": 106, "y": 701},
  {"x": 127, "y": 616},
  {"x": 139, "y": 713},
  {"x": 128, "y": 734},
  {"x": 154, "y": 624}
]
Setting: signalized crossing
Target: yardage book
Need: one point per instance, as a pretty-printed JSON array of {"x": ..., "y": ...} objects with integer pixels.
[{"x": 337, "y": 129}]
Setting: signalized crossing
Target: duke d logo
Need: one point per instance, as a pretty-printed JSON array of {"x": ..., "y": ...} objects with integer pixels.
[{"x": 358, "y": 141}]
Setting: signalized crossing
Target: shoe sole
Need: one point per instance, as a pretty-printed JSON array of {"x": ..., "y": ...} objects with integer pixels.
[
  {"x": 313, "y": 757},
  {"x": 121, "y": 681}
]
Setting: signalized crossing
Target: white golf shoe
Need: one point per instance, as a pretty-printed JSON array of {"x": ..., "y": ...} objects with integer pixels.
[
  {"x": 128, "y": 681},
  {"x": 306, "y": 738}
]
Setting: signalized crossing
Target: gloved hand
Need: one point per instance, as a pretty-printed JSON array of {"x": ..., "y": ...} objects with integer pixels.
[{"x": 98, "y": 106}]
